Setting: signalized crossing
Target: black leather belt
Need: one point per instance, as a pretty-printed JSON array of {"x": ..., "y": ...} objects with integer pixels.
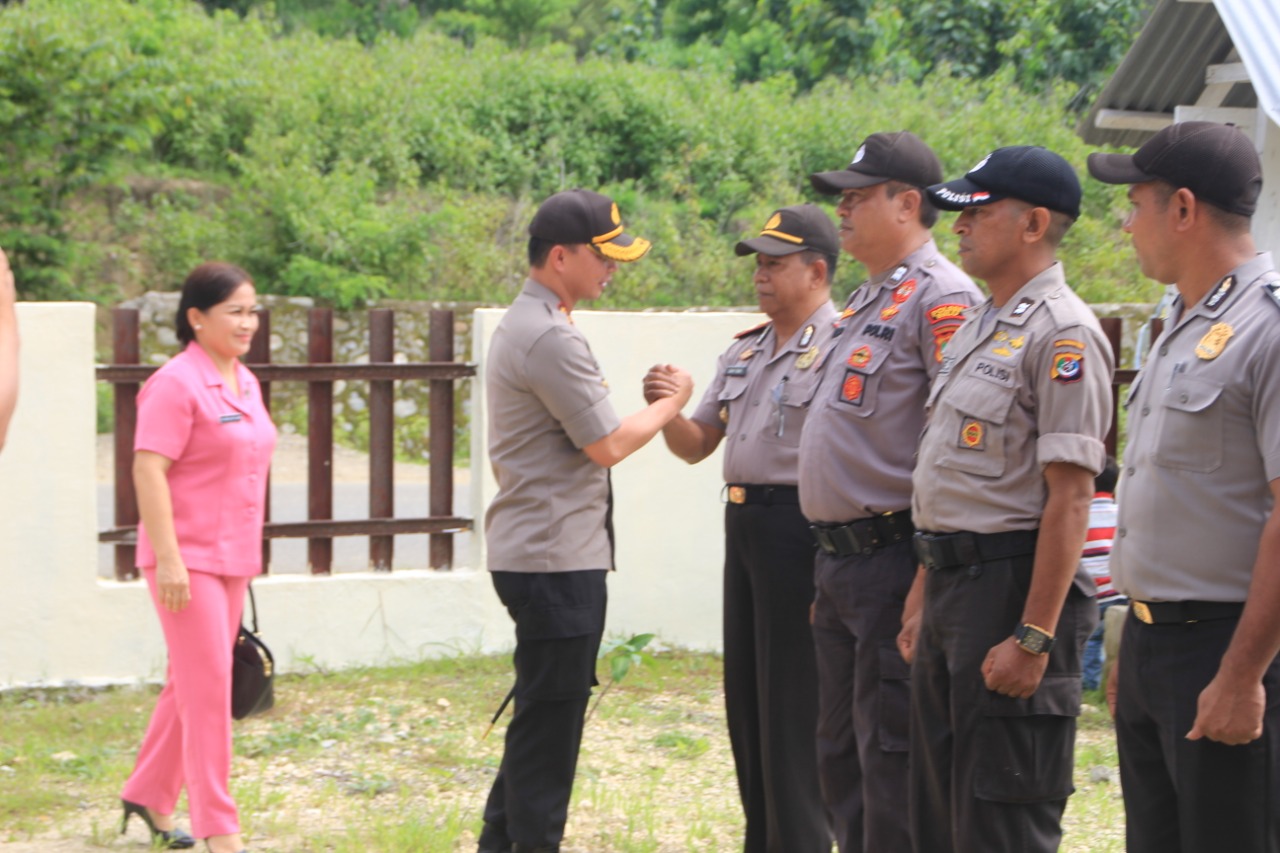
[
  {"x": 865, "y": 535},
  {"x": 746, "y": 493},
  {"x": 1183, "y": 612},
  {"x": 949, "y": 550}
]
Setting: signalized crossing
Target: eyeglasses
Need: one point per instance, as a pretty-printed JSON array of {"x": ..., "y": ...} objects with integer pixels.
[{"x": 604, "y": 259}]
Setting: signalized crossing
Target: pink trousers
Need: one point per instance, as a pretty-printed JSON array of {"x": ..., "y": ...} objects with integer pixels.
[{"x": 188, "y": 741}]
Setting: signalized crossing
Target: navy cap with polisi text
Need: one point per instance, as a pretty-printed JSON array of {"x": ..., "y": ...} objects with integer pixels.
[
  {"x": 1026, "y": 172},
  {"x": 800, "y": 228},
  {"x": 1217, "y": 162},
  {"x": 899, "y": 156},
  {"x": 579, "y": 216}
]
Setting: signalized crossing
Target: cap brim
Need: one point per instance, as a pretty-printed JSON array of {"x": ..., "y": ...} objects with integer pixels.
[
  {"x": 1117, "y": 169},
  {"x": 833, "y": 183},
  {"x": 768, "y": 246},
  {"x": 961, "y": 193},
  {"x": 624, "y": 248}
]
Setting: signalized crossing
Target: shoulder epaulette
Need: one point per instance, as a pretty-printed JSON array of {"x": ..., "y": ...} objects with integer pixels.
[
  {"x": 1273, "y": 290},
  {"x": 752, "y": 330}
]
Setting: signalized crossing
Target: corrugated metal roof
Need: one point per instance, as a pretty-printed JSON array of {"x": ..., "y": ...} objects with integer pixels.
[{"x": 1166, "y": 66}]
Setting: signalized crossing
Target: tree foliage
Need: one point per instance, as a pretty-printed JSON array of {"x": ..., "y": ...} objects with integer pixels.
[{"x": 142, "y": 137}]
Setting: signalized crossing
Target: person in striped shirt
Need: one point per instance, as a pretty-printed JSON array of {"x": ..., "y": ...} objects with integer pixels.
[{"x": 1097, "y": 559}]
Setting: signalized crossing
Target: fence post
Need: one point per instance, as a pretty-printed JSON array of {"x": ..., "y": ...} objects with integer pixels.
[
  {"x": 260, "y": 353},
  {"x": 320, "y": 439},
  {"x": 440, "y": 442},
  {"x": 381, "y": 437},
  {"x": 125, "y": 350}
]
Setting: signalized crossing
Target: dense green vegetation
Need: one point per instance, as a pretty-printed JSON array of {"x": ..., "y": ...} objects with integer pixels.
[{"x": 371, "y": 153}]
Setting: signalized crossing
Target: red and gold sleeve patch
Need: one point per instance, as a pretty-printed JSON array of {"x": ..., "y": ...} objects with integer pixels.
[
  {"x": 941, "y": 335},
  {"x": 942, "y": 313}
]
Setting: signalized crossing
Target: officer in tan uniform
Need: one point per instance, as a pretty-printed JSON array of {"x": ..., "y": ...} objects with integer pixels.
[
  {"x": 856, "y": 457},
  {"x": 1017, "y": 417},
  {"x": 1197, "y": 545},
  {"x": 552, "y": 438},
  {"x": 760, "y": 397}
]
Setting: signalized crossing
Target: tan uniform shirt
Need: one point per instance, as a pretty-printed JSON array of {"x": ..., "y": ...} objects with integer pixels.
[
  {"x": 859, "y": 445},
  {"x": 1035, "y": 388},
  {"x": 1204, "y": 446},
  {"x": 547, "y": 400},
  {"x": 761, "y": 399}
]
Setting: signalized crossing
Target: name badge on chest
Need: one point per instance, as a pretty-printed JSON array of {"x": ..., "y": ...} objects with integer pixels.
[{"x": 231, "y": 418}]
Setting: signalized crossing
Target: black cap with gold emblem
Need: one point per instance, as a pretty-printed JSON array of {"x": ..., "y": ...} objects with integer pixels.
[
  {"x": 803, "y": 227},
  {"x": 581, "y": 216}
]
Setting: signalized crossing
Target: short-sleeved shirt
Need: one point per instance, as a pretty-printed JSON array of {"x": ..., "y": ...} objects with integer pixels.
[
  {"x": 761, "y": 398},
  {"x": 1030, "y": 387},
  {"x": 859, "y": 447},
  {"x": 1204, "y": 446},
  {"x": 547, "y": 400},
  {"x": 220, "y": 445}
]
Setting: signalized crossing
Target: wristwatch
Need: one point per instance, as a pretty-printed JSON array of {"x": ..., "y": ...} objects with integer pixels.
[{"x": 1033, "y": 639}]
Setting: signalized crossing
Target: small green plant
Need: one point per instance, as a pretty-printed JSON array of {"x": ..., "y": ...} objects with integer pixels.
[{"x": 622, "y": 655}]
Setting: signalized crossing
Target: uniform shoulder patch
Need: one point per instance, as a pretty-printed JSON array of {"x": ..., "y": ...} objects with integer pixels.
[{"x": 752, "y": 330}]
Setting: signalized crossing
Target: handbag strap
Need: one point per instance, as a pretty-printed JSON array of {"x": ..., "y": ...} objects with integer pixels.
[{"x": 253, "y": 605}]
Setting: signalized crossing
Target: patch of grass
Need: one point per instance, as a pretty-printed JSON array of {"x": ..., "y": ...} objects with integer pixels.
[
  {"x": 682, "y": 745},
  {"x": 391, "y": 760}
]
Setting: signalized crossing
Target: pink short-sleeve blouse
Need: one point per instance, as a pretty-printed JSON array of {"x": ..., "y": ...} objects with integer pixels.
[{"x": 221, "y": 448}]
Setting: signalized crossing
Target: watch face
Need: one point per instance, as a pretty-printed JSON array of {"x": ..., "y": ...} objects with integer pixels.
[{"x": 1033, "y": 640}]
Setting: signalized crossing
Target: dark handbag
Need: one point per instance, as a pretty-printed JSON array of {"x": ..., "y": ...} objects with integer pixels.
[{"x": 252, "y": 671}]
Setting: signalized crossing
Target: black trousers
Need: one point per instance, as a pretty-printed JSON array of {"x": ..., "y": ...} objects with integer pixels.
[
  {"x": 1183, "y": 796},
  {"x": 770, "y": 678},
  {"x": 989, "y": 773},
  {"x": 559, "y": 622},
  {"x": 863, "y": 696}
]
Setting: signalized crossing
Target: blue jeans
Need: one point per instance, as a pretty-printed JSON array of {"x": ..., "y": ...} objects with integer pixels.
[{"x": 1093, "y": 650}]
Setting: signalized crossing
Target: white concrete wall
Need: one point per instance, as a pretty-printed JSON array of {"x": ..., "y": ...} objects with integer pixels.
[
  {"x": 62, "y": 624},
  {"x": 668, "y": 516}
]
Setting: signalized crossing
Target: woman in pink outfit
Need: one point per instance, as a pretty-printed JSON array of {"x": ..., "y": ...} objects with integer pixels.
[{"x": 202, "y": 451}]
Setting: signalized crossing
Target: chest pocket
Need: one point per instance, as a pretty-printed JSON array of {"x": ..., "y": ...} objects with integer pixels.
[
  {"x": 976, "y": 414},
  {"x": 789, "y": 405},
  {"x": 1191, "y": 425},
  {"x": 731, "y": 395},
  {"x": 858, "y": 372}
]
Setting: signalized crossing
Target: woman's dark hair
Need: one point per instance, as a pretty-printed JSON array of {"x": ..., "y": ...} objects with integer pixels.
[{"x": 208, "y": 285}]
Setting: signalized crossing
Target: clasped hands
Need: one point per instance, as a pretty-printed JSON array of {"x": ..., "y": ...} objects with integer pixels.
[{"x": 667, "y": 380}]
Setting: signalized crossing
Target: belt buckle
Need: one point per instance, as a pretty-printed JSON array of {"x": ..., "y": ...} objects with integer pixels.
[
  {"x": 1143, "y": 612},
  {"x": 737, "y": 494}
]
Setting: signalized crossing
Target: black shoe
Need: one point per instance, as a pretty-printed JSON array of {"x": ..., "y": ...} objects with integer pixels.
[
  {"x": 165, "y": 839},
  {"x": 525, "y": 848}
]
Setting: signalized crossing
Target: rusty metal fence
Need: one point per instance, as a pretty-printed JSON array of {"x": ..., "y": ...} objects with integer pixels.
[{"x": 126, "y": 375}]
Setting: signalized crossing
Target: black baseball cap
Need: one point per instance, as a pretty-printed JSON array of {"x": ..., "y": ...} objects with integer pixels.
[
  {"x": 581, "y": 216},
  {"x": 1027, "y": 172},
  {"x": 1215, "y": 161},
  {"x": 883, "y": 157},
  {"x": 800, "y": 228}
]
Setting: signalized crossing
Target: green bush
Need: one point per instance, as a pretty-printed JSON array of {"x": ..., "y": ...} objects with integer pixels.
[{"x": 353, "y": 168}]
